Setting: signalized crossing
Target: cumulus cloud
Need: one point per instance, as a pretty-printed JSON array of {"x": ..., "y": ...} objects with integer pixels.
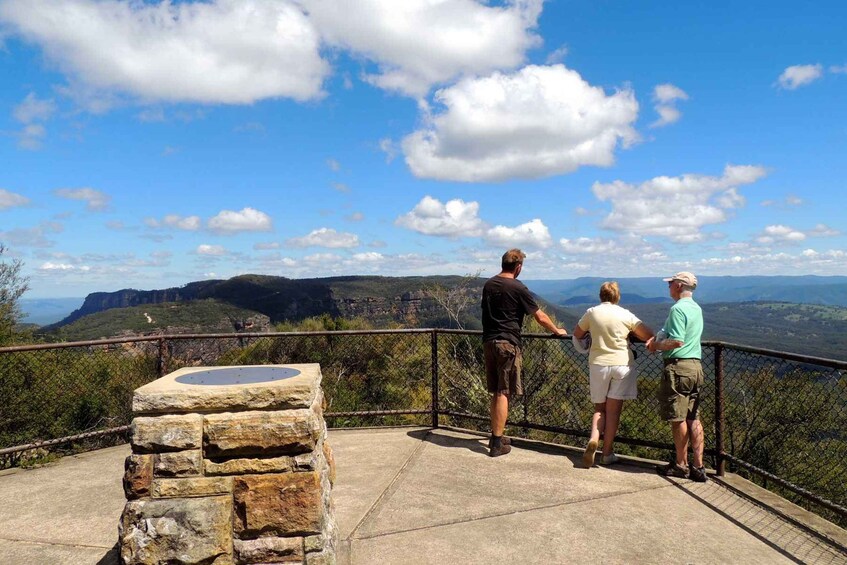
[
  {"x": 187, "y": 223},
  {"x": 823, "y": 230},
  {"x": 666, "y": 95},
  {"x": 456, "y": 218},
  {"x": 536, "y": 122},
  {"x": 795, "y": 76},
  {"x": 416, "y": 44},
  {"x": 11, "y": 199},
  {"x": 675, "y": 207},
  {"x": 531, "y": 234},
  {"x": 95, "y": 199},
  {"x": 31, "y": 237},
  {"x": 266, "y": 245},
  {"x": 33, "y": 109},
  {"x": 325, "y": 237},
  {"x": 246, "y": 220},
  {"x": 588, "y": 246},
  {"x": 780, "y": 233},
  {"x": 31, "y": 112},
  {"x": 210, "y": 250},
  {"x": 222, "y": 51}
]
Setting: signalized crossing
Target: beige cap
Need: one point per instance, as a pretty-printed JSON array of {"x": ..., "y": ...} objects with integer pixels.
[{"x": 686, "y": 278}]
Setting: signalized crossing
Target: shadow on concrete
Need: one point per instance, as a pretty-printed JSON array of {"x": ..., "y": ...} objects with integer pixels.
[
  {"x": 777, "y": 532},
  {"x": 477, "y": 445},
  {"x": 112, "y": 557},
  {"x": 480, "y": 445}
]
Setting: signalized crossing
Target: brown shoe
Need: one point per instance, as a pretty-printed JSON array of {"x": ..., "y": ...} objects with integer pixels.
[
  {"x": 672, "y": 470},
  {"x": 497, "y": 452},
  {"x": 503, "y": 440},
  {"x": 588, "y": 455}
]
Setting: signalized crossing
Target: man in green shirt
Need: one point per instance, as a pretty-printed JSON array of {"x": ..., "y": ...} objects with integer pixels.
[{"x": 682, "y": 377}]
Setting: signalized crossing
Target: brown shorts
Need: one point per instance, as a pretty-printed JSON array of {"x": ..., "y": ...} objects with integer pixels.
[
  {"x": 679, "y": 391},
  {"x": 503, "y": 367}
]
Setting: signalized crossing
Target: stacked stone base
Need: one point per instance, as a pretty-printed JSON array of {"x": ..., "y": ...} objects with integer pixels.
[{"x": 242, "y": 487}]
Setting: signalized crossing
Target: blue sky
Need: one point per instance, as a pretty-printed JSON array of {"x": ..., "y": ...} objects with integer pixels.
[{"x": 147, "y": 144}]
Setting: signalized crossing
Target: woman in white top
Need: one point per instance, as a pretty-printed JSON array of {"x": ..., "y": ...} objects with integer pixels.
[{"x": 611, "y": 369}]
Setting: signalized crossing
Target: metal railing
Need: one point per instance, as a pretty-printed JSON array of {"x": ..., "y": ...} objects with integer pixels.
[{"x": 775, "y": 417}]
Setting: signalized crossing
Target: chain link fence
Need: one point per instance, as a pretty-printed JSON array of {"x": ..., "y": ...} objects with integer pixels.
[{"x": 776, "y": 418}]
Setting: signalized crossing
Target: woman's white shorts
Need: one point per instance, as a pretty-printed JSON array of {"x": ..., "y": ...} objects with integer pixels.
[{"x": 613, "y": 381}]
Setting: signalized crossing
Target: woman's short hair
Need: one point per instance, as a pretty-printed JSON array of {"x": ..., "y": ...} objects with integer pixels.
[{"x": 609, "y": 292}]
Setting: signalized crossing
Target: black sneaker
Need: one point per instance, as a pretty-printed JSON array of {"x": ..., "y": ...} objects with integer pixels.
[
  {"x": 502, "y": 450},
  {"x": 672, "y": 470},
  {"x": 697, "y": 474}
]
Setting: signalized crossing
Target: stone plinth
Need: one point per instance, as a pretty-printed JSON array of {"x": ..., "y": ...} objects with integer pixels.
[{"x": 229, "y": 465}]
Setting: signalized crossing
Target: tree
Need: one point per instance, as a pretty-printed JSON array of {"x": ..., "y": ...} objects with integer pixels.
[
  {"x": 457, "y": 298},
  {"x": 12, "y": 286}
]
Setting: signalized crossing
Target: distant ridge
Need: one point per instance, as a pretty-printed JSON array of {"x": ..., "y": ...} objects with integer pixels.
[
  {"x": 801, "y": 289},
  {"x": 381, "y": 300}
]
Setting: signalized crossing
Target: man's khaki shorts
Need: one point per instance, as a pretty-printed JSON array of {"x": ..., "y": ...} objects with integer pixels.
[
  {"x": 679, "y": 391},
  {"x": 503, "y": 367}
]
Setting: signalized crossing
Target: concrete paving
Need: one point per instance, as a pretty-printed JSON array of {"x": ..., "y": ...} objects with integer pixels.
[{"x": 421, "y": 496}]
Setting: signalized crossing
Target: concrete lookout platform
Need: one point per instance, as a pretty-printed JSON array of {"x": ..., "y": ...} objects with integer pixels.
[{"x": 410, "y": 495}]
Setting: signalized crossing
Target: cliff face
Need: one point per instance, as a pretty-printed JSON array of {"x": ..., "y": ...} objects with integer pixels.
[
  {"x": 382, "y": 300},
  {"x": 100, "y": 301}
]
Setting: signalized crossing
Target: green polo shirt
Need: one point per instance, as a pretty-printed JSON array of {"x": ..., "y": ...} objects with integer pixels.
[{"x": 685, "y": 323}]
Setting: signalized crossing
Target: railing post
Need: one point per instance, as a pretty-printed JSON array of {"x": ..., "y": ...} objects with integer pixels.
[
  {"x": 160, "y": 361},
  {"x": 434, "y": 347},
  {"x": 720, "y": 422}
]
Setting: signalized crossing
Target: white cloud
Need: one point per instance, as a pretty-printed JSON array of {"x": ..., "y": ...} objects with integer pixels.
[
  {"x": 247, "y": 220},
  {"x": 387, "y": 146},
  {"x": 823, "y": 230},
  {"x": 667, "y": 93},
  {"x": 222, "y": 51},
  {"x": 62, "y": 267},
  {"x": 325, "y": 237},
  {"x": 32, "y": 109},
  {"x": 666, "y": 96},
  {"x": 10, "y": 199},
  {"x": 537, "y": 122},
  {"x": 368, "y": 257},
  {"x": 420, "y": 43},
  {"x": 842, "y": 69},
  {"x": 456, "y": 218},
  {"x": 95, "y": 199},
  {"x": 340, "y": 187},
  {"x": 795, "y": 76},
  {"x": 333, "y": 165},
  {"x": 557, "y": 55},
  {"x": 187, "y": 223},
  {"x": 31, "y": 237},
  {"x": 211, "y": 250},
  {"x": 780, "y": 233},
  {"x": 675, "y": 207},
  {"x": 531, "y": 234},
  {"x": 588, "y": 246},
  {"x": 355, "y": 217},
  {"x": 265, "y": 246},
  {"x": 31, "y": 136}
]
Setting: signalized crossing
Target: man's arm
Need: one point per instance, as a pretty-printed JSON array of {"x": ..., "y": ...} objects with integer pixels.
[{"x": 545, "y": 321}]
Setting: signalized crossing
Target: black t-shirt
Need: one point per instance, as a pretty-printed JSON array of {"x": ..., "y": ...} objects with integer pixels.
[{"x": 505, "y": 302}]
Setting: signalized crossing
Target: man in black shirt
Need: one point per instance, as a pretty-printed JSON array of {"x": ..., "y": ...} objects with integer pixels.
[{"x": 505, "y": 302}]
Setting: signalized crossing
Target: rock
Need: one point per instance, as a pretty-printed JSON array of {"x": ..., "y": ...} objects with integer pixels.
[
  {"x": 195, "y": 486},
  {"x": 138, "y": 475},
  {"x": 261, "y": 433},
  {"x": 244, "y": 466},
  {"x": 269, "y": 550},
  {"x": 285, "y": 505},
  {"x": 167, "y": 395},
  {"x": 330, "y": 461},
  {"x": 321, "y": 558},
  {"x": 178, "y": 464},
  {"x": 167, "y": 433},
  {"x": 187, "y": 531}
]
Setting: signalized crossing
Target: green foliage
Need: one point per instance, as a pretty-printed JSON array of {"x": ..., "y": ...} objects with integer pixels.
[
  {"x": 199, "y": 316},
  {"x": 12, "y": 286}
]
